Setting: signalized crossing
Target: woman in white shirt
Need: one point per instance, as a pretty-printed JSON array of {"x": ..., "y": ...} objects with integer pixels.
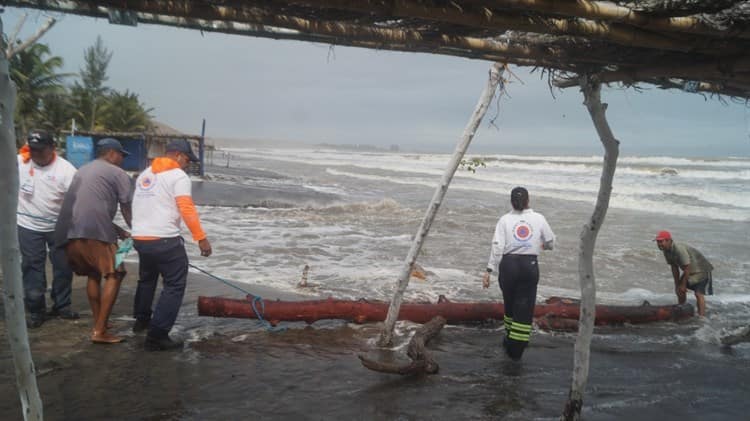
[{"x": 519, "y": 237}]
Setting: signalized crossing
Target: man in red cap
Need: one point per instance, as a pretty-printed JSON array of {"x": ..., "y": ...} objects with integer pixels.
[{"x": 696, "y": 270}]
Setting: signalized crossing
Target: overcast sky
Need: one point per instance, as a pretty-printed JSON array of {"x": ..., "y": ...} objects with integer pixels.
[{"x": 257, "y": 88}]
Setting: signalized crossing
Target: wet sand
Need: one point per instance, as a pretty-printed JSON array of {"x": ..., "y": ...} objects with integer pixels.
[
  {"x": 235, "y": 369},
  {"x": 262, "y": 192}
]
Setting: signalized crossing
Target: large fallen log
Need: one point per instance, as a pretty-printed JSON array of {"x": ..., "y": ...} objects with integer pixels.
[
  {"x": 421, "y": 360},
  {"x": 365, "y": 311},
  {"x": 742, "y": 335}
]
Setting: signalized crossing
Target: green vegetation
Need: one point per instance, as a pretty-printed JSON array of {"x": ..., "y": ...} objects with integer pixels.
[
  {"x": 35, "y": 72},
  {"x": 49, "y": 99},
  {"x": 472, "y": 164}
]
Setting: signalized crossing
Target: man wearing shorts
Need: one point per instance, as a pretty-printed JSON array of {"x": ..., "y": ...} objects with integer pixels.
[
  {"x": 696, "y": 270},
  {"x": 85, "y": 227}
]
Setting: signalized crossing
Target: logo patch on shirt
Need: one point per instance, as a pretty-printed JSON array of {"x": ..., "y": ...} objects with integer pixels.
[
  {"x": 522, "y": 231},
  {"x": 147, "y": 182}
]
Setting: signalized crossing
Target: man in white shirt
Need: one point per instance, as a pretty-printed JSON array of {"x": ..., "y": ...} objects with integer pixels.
[
  {"x": 520, "y": 235},
  {"x": 163, "y": 199},
  {"x": 44, "y": 178}
]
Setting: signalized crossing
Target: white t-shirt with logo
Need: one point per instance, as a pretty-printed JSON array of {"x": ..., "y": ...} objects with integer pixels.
[
  {"x": 155, "y": 211},
  {"x": 41, "y": 192},
  {"x": 520, "y": 232}
]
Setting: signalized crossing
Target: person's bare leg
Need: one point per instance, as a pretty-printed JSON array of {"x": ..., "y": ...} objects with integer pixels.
[
  {"x": 108, "y": 298},
  {"x": 93, "y": 291},
  {"x": 681, "y": 297},
  {"x": 700, "y": 301}
]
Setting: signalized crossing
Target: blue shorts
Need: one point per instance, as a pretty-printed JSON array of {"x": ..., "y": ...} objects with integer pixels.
[{"x": 700, "y": 287}]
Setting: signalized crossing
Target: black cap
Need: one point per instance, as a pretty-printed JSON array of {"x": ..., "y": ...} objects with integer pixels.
[
  {"x": 39, "y": 139},
  {"x": 182, "y": 145},
  {"x": 110, "y": 143}
]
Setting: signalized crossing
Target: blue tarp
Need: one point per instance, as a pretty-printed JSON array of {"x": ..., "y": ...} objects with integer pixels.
[{"x": 80, "y": 150}]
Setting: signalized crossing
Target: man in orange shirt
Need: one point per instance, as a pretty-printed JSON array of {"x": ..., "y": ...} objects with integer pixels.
[{"x": 162, "y": 198}]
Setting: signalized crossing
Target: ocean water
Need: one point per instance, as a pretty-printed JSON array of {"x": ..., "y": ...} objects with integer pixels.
[
  {"x": 356, "y": 244},
  {"x": 356, "y": 233}
]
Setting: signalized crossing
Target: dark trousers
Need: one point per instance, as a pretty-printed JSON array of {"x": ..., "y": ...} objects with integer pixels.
[
  {"x": 519, "y": 276},
  {"x": 165, "y": 257},
  {"x": 34, "y": 246}
]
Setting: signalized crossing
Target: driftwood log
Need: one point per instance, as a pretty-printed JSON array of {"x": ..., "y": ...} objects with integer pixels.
[
  {"x": 366, "y": 311},
  {"x": 421, "y": 360},
  {"x": 743, "y": 335}
]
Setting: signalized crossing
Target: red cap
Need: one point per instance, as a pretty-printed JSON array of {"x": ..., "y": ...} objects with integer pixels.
[{"x": 663, "y": 235}]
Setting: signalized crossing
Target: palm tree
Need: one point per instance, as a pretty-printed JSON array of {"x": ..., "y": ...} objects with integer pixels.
[
  {"x": 123, "y": 112},
  {"x": 56, "y": 111},
  {"x": 89, "y": 95},
  {"x": 35, "y": 73}
]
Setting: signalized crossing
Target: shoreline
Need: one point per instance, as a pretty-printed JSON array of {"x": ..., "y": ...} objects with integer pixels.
[{"x": 235, "y": 368}]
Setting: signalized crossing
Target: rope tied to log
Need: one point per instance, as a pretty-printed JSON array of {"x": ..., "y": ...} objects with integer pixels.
[{"x": 249, "y": 295}]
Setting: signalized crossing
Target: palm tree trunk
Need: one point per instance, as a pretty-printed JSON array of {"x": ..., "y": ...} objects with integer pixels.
[
  {"x": 592, "y": 99},
  {"x": 93, "y": 114},
  {"x": 484, "y": 101},
  {"x": 10, "y": 255}
]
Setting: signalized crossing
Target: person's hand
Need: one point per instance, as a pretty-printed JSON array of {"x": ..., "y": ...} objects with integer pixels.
[
  {"x": 205, "y": 247},
  {"x": 486, "y": 280},
  {"x": 123, "y": 234}
]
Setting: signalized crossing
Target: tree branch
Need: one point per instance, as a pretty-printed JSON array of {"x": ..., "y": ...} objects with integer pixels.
[
  {"x": 591, "y": 88},
  {"x": 421, "y": 360},
  {"x": 495, "y": 78},
  {"x": 10, "y": 255},
  {"x": 12, "y": 49},
  {"x": 16, "y": 30}
]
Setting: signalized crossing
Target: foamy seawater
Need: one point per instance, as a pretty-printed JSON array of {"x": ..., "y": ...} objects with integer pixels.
[{"x": 355, "y": 246}]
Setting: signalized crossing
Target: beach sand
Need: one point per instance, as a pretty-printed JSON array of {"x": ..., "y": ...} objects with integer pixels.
[{"x": 236, "y": 369}]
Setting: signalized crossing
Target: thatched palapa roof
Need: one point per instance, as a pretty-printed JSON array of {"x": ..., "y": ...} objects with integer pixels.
[{"x": 694, "y": 45}]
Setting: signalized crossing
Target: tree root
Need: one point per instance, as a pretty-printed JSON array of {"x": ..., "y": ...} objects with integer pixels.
[{"x": 421, "y": 360}]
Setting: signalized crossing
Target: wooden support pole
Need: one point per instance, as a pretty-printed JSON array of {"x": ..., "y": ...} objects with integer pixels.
[
  {"x": 10, "y": 254},
  {"x": 495, "y": 78},
  {"x": 606, "y": 11},
  {"x": 592, "y": 100},
  {"x": 611, "y": 12},
  {"x": 496, "y": 19}
]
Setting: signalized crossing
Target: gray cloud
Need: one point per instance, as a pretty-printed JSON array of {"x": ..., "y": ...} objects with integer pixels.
[{"x": 256, "y": 88}]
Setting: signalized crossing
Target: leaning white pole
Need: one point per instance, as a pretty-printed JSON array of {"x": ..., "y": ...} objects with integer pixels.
[
  {"x": 10, "y": 255},
  {"x": 403, "y": 280},
  {"x": 592, "y": 99}
]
